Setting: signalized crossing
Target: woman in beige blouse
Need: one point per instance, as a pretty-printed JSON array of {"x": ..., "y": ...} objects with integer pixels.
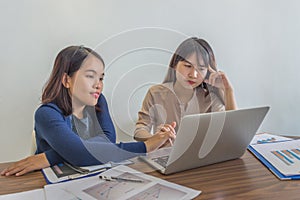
[{"x": 192, "y": 85}]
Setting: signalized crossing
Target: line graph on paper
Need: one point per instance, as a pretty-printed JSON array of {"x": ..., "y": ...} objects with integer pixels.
[
  {"x": 158, "y": 191},
  {"x": 115, "y": 189}
]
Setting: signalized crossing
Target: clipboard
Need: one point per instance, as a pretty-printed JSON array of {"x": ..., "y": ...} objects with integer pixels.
[{"x": 64, "y": 171}]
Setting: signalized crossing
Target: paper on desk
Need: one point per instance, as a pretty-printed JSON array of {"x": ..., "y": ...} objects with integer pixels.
[
  {"x": 65, "y": 174},
  {"x": 262, "y": 138},
  {"x": 107, "y": 165},
  {"x": 284, "y": 156},
  {"x": 37, "y": 194},
  {"x": 95, "y": 188}
]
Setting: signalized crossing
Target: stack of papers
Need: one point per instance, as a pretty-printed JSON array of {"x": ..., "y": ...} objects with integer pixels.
[{"x": 120, "y": 182}]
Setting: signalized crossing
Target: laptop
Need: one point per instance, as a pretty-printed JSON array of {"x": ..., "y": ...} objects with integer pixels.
[{"x": 204, "y": 139}]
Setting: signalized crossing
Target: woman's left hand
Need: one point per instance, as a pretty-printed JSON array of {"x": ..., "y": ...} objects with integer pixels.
[
  {"x": 218, "y": 79},
  {"x": 27, "y": 165}
]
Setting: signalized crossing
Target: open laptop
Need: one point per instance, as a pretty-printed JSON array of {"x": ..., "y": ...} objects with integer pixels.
[{"x": 208, "y": 138}]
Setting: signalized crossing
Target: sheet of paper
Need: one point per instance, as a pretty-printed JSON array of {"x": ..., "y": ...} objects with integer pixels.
[
  {"x": 285, "y": 156},
  {"x": 37, "y": 194},
  {"x": 92, "y": 188},
  {"x": 262, "y": 138},
  {"x": 107, "y": 165}
]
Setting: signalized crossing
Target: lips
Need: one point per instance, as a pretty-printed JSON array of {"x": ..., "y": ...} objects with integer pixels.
[
  {"x": 191, "y": 82},
  {"x": 96, "y": 95}
]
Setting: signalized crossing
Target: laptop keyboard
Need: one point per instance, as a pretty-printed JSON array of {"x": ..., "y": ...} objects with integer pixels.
[{"x": 161, "y": 160}]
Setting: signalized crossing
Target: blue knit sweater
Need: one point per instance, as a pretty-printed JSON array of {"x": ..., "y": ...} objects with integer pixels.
[{"x": 55, "y": 138}]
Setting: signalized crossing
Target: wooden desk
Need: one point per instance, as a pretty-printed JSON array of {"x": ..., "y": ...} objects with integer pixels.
[
  {"x": 12, "y": 184},
  {"x": 244, "y": 178}
]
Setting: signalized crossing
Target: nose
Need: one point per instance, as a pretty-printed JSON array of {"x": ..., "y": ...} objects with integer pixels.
[
  {"x": 193, "y": 73},
  {"x": 98, "y": 84}
]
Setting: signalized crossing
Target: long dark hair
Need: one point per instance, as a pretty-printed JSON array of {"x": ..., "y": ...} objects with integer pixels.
[
  {"x": 68, "y": 61},
  {"x": 203, "y": 51}
]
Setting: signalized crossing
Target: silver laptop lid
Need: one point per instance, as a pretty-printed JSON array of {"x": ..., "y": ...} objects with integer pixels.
[{"x": 204, "y": 139}]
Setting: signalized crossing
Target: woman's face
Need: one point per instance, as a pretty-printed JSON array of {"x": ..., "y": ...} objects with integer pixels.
[
  {"x": 189, "y": 73},
  {"x": 86, "y": 84}
]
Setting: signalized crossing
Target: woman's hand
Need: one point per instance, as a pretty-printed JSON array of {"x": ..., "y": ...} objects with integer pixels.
[
  {"x": 27, "y": 165},
  {"x": 166, "y": 128},
  {"x": 159, "y": 139},
  {"x": 218, "y": 79}
]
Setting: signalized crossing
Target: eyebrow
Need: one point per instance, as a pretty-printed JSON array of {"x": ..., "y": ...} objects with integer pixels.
[
  {"x": 188, "y": 62},
  {"x": 91, "y": 70},
  {"x": 192, "y": 63}
]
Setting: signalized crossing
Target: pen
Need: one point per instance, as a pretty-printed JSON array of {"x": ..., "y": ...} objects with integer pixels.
[
  {"x": 75, "y": 176},
  {"x": 110, "y": 178}
]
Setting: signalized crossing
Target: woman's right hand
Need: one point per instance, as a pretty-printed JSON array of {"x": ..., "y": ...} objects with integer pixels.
[
  {"x": 29, "y": 164},
  {"x": 159, "y": 139}
]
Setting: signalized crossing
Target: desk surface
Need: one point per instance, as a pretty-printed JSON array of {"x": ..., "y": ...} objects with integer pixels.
[{"x": 244, "y": 178}]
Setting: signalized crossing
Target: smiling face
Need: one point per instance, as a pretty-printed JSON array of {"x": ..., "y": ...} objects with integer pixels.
[
  {"x": 86, "y": 84},
  {"x": 190, "y": 73}
]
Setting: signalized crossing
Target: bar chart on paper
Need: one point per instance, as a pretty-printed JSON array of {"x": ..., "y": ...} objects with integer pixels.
[
  {"x": 284, "y": 156},
  {"x": 263, "y": 138},
  {"x": 288, "y": 156}
]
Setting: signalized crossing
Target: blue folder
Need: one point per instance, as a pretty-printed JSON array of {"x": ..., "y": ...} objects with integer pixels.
[{"x": 275, "y": 171}]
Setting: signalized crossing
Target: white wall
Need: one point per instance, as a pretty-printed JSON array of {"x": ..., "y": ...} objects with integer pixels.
[{"x": 255, "y": 41}]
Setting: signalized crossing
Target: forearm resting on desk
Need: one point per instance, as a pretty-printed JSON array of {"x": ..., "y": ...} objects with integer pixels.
[{"x": 27, "y": 165}]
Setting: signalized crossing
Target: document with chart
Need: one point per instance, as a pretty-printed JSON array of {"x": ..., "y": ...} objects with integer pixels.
[
  {"x": 120, "y": 182},
  {"x": 262, "y": 138},
  {"x": 283, "y": 156}
]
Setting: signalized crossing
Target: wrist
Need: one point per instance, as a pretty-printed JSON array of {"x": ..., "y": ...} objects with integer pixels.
[
  {"x": 45, "y": 162},
  {"x": 148, "y": 146},
  {"x": 229, "y": 90}
]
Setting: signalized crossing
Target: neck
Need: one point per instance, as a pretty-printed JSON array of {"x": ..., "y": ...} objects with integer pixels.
[
  {"x": 78, "y": 111},
  {"x": 184, "y": 94}
]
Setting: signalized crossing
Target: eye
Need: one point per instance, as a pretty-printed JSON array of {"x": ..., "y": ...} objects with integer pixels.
[
  {"x": 89, "y": 76},
  {"x": 101, "y": 79},
  {"x": 188, "y": 65}
]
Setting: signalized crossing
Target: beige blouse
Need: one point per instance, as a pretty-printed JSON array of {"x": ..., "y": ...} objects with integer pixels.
[{"x": 161, "y": 106}]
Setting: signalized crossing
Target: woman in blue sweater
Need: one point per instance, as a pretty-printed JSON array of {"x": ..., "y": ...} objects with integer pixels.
[{"x": 73, "y": 123}]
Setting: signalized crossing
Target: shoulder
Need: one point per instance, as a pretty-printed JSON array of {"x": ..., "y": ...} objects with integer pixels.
[
  {"x": 101, "y": 98},
  {"x": 48, "y": 111},
  {"x": 160, "y": 93},
  {"x": 161, "y": 88},
  {"x": 102, "y": 103}
]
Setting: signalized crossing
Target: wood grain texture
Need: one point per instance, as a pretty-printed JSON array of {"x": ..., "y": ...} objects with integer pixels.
[{"x": 12, "y": 184}]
